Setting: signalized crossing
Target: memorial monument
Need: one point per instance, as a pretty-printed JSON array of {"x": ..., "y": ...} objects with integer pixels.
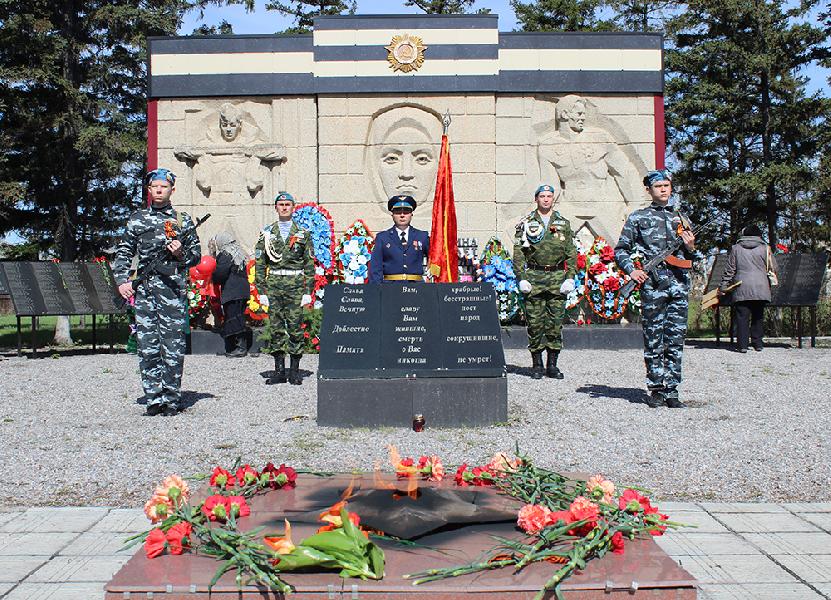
[{"x": 350, "y": 114}]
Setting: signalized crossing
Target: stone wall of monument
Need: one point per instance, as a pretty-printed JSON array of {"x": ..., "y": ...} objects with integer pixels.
[{"x": 351, "y": 153}]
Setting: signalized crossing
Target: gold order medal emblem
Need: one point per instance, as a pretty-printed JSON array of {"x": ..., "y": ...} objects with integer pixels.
[{"x": 406, "y": 53}]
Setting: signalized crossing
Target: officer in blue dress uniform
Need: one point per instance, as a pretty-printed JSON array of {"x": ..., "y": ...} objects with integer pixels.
[{"x": 400, "y": 250}]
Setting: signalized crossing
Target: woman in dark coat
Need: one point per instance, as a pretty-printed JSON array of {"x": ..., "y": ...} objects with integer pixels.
[
  {"x": 748, "y": 263},
  {"x": 230, "y": 274}
]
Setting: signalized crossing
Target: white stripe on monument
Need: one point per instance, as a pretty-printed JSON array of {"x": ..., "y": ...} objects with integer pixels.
[
  {"x": 242, "y": 62},
  {"x": 382, "y": 37},
  {"x": 378, "y": 68},
  {"x": 590, "y": 59}
]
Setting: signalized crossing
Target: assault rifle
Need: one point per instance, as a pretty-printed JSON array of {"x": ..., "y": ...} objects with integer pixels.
[
  {"x": 666, "y": 255},
  {"x": 163, "y": 253}
]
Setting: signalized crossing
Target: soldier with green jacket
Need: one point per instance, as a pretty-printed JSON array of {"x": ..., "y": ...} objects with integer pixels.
[
  {"x": 545, "y": 261},
  {"x": 284, "y": 273}
]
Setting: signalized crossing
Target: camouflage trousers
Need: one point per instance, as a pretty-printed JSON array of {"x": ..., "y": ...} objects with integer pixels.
[
  {"x": 160, "y": 337},
  {"x": 544, "y": 316},
  {"x": 282, "y": 333},
  {"x": 664, "y": 319}
]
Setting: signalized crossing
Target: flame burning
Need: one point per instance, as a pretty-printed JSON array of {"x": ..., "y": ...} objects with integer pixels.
[{"x": 410, "y": 472}]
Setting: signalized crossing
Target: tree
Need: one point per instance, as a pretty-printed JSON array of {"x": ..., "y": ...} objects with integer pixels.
[
  {"x": 305, "y": 11},
  {"x": 560, "y": 15},
  {"x": 641, "y": 15},
  {"x": 445, "y": 7},
  {"x": 740, "y": 122}
]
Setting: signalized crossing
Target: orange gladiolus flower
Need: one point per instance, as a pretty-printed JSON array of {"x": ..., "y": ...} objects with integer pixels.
[{"x": 281, "y": 545}]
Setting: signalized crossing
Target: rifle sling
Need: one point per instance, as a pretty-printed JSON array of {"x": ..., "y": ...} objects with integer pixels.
[{"x": 680, "y": 263}]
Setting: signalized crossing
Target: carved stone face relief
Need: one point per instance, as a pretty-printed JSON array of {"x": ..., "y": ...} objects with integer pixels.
[
  {"x": 229, "y": 129},
  {"x": 402, "y": 155},
  {"x": 575, "y": 116}
]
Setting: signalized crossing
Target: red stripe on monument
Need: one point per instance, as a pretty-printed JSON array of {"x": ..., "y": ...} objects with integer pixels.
[
  {"x": 152, "y": 134},
  {"x": 660, "y": 138}
]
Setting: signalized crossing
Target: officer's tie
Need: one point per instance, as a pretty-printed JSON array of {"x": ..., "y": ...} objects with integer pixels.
[{"x": 403, "y": 239}]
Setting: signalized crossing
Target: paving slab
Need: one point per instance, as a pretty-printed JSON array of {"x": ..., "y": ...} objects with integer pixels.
[
  {"x": 57, "y": 591},
  {"x": 17, "y": 568},
  {"x": 824, "y": 588},
  {"x": 703, "y": 522},
  {"x": 5, "y": 587},
  {"x": 821, "y": 520},
  {"x": 734, "y": 568},
  {"x": 78, "y": 568},
  {"x": 34, "y": 544},
  {"x": 129, "y": 520},
  {"x": 7, "y": 516},
  {"x": 673, "y": 507},
  {"x": 765, "y": 522},
  {"x": 677, "y": 543},
  {"x": 811, "y": 507},
  {"x": 791, "y": 543},
  {"x": 99, "y": 544},
  {"x": 742, "y": 507},
  {"x": 813, "y": 569},
  {"x": 762, "y": 591},
  {"x": 55, "y": 520}
]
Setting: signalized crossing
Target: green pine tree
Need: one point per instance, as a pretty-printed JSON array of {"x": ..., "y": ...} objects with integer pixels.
[
  {"x": 739, "y": 119},
  {"x": 641, "y": 15},
  {"x": 445, "y": 7},
  {"x": 560, "y": 15},
  {"x": 305, "y": 11}
]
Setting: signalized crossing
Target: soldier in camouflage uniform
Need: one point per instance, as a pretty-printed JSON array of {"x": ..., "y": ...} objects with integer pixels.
[
  {"x": 664, "y": 293},
  {"x": 160, "y": 301},
  {"x": 545, "y": 261},
  {"x": 284, "y": 274}
]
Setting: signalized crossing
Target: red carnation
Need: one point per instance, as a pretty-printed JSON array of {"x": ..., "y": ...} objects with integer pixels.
[
  {"x": 597, "y": 268},
  {"x": 611, "y": 284},
  {"x": 463, "y": 476},
  {"x": 154, "y": 543},
  {"x": 222, "y": 478},
  {"x": 581, "y": 261},
  {"x": 238, "y": 506},
  {"x": 247, "y": 475},
  {"x": 607, "y": 254},
  {"x": 178, "y": 537},
  {"x": 216, "y": 508},
  {"x": 617, "y": 542},
  {"x": 631, "y": 501}
]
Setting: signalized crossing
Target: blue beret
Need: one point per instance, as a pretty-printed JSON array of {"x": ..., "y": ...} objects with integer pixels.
[
  {"x": 659, "y": 175},
  {"x": 160, "y": 175},
  {"x": 283, "y": 196},
  {"x": 544, "y": 188},
  {"x": 401, "y": 202}
]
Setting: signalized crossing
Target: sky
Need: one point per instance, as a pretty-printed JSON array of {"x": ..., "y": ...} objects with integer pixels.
[{"x": 270, "y": 21}]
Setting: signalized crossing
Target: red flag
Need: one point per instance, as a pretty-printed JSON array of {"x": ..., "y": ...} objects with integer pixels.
[{"x": 444, "y": 250}]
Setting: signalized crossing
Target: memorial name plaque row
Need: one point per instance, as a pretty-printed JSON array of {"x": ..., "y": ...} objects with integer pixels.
[
  {"x": 800, "y": 279},
  {"x": 47, "y": 288},
  {"x": 410, "y": 330}
]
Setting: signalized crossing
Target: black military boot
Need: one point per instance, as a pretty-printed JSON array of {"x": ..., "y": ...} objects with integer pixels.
[
  {"x": 551, "y": 369},
  {"x": 279, "y": 370},
  {"x": 294, "y": 370},
  {"x": 673, "y": 401},
  {"x": 657, "y": 398},
  {"x": 536, "y": 365},
  {"x": 239, "y": 347}
]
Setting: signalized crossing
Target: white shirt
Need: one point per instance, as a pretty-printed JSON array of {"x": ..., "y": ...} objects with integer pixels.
[{"x": 406, "y": 233}]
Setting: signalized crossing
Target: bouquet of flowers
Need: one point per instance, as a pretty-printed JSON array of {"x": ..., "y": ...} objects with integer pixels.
[
  {"x": 197, "y": 301},
  {"x": 603, "y": 281},
  {"x": 353, "y": 252},
  {"x": 498, "y": 269},
  {"x": 576, "y": 295},
  {"x": 254, "y": 310}
]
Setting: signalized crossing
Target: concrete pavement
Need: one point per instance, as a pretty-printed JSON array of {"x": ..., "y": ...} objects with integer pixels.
[{"x": 738, "y": 551}]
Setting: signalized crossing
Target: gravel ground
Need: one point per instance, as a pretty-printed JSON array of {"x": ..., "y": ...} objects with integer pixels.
[{"x": 73, "y": 432}]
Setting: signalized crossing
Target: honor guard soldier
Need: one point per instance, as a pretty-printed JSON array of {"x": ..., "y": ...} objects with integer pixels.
[
  {"x": 400, "y": 251},
  {"x": 284, "y": 273},
  {"x": 162, "y": 234},
  {"x": 664, "y": 293},
  {"x": 545, "y": 260}
]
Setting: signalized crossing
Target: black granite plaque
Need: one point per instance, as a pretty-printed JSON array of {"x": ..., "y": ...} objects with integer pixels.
[
  {"x": 470, "y": 333},
  {"x": 350, "y": 339},
  {"x": 105, "y": 290},
  {"x": 4, "y": 287},
  {"x": 800, "y": 279},
  {"x": 23, "y": 288},
  {"x": 79, "y": 285},
  {"x": 52, "y": 289},
  {"x": 409, "y": 329}
]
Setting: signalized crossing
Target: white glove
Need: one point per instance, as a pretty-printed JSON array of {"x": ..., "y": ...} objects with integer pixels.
[
  {"x": 263, "y": 299},
  {"x": 524, "y": 286},
  {"x": 567, "y": 287}
]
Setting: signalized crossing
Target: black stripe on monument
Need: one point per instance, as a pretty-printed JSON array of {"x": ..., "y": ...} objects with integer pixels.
[
  {"x": 238, "y": 84},
  {"x": 416, "y": 84},
  {"x": 609, "y": 82},
  {"x": 394, "y": 22},
  {"x": 433, "y": 52},
  {"x": 230, "y": 44},
  {"x": 581, "y": 41}
]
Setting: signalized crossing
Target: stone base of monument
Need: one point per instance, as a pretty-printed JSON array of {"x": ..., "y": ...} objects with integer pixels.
[
  {"x": 202, "y": 341},
  {"x": 586, "y": 337},
  {"x": 643, "y": 571},
  {"x": 443, "y": 401}
]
